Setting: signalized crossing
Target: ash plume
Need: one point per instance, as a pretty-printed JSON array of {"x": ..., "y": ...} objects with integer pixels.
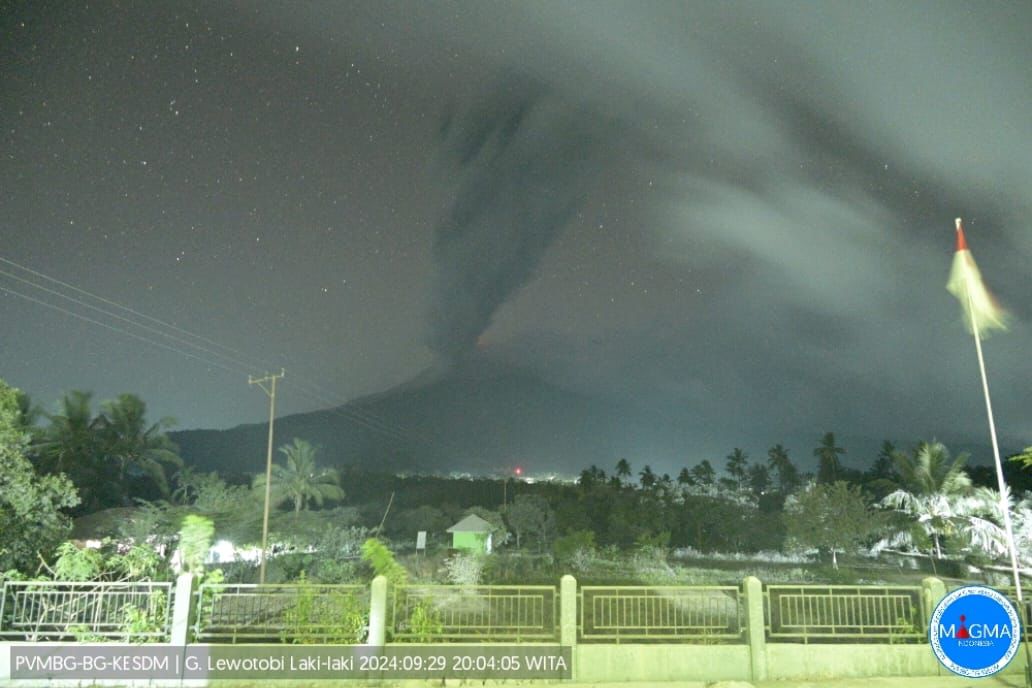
[{"x": 525, "y": 158}]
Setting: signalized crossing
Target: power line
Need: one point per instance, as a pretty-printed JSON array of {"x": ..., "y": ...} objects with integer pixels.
[
  {"x": 119, "y": 317},
  {"x": 120, "y": 306},
  {"x": 366, "y": 419},
  {"x": 117, "y": 329}
]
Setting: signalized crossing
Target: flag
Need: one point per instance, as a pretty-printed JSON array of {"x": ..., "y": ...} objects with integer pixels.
[{"x": 982, "y": 313}]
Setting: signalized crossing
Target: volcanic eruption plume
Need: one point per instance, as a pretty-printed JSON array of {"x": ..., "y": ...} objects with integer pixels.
[{"x": 525, "y": 159}]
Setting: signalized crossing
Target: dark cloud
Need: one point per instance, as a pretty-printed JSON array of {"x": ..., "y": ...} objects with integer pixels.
[
  {"x": 526, "y": 160},
  {"x": 738, "y": 216}
]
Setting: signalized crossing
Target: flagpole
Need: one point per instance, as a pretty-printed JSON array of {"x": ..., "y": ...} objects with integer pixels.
[{"x": 1002, "y": 483}]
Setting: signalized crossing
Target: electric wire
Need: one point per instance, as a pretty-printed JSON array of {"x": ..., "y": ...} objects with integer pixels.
[
  {"x": 117, "y": 305},
  {"x": 118, "y": 317},
  {"x": 358, "y": 416},
  {"x": 116, "y": 329}
]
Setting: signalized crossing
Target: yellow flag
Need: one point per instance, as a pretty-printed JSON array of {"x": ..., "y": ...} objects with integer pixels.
[{"x": 982, "y": 313}]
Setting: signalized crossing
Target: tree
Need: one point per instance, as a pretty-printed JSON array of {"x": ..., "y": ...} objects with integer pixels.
[
  {"x": 785, "y": 472},
  {"x": 195, "y": 538},
  {"x": 101, "y": 453},
  {"x": 71, "y": 445},
  {"x": 1024, "y": 458},
  {"x": 647, "y": 478},
  {"x": 703, "y": 473},
  {"x": 759, "y": 478},
  {"x": 31, "y": 517},
  {"x": 407, "y": 523},
  {"x": 592, "y": 476},
  {"x": 530, "y": 516},
  {"x": 738, "y": 469},
  {"x": 832, "y": 517},
  {"x": 828, "y": 467},
  {"x": 382, "y": 561},
  {"x": 685, "y": 477},
  {"x": 982, "y": 523},
  {"x": 136, "y": 445},
  {"x": 623, "y": 470},
  {"x": 929, "y": 481},
  {"x": 300, "y": 480},
  {"x": 930, "y": 470},
  {"x": 881, "y": 477},
  {"x": 235, "y": 509},
  {"x": 884, "y": 465},
  {"x": 709, "y": 523}
]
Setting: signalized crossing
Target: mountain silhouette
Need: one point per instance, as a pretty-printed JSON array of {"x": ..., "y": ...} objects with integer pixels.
[{"x": 482, "y": 416}]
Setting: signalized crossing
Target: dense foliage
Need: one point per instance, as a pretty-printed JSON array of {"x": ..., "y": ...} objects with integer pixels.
[
  {"x": 32, "y": 516},
  {"x": 136, "y": 491}
]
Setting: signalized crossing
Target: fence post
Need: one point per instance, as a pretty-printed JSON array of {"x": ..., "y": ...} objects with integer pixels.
[
  {"x": 378, "y": 612},
  {"x": 568, "y": 618},
  {"x": 755, "y": 627},
  {"x": 932, "y": 592},
  {"x": 568, "y": 611},
  {"x": 182, "y": 609}
]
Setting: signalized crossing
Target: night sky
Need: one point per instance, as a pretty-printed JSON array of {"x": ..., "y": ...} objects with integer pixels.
[{"x": 736, "y": 217}]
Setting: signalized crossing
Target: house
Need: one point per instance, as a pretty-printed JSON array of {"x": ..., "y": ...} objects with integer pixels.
[{"x": 472, "y": 534}]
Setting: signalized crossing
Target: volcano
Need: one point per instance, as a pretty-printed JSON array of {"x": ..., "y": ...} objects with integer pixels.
[{"x": 482, "y": 416}]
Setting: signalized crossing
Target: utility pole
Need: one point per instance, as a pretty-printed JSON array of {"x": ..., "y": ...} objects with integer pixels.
[{"x": 271, "y": 392}]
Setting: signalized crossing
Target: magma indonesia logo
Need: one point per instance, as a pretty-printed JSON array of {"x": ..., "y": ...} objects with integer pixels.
[{"x": 975, "y": 631}]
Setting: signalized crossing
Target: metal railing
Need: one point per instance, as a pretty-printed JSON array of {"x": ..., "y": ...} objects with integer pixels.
[
  {"x": 1024, "y": 608},
  {"x": 475, "y": 613},
  {"x": 701, "y": 614},
  {"x": 826, "y": 613},
  {"x": 58, "y": 610},
  {"x": 302, "y": 612}
]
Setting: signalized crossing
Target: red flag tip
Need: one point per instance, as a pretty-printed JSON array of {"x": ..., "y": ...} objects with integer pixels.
[{"x": 961, "y": 241}]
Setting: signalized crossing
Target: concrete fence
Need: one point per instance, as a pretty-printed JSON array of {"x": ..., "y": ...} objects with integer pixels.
[{"x": 615, "y": 633}]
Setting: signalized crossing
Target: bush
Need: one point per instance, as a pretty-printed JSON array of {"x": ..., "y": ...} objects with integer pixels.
[
  {"x": 465, "y": 568},
  {"x": 334, "y": 617},
  {"x": 74, "y": 564},
  {"x": 195, "y": 538},
  {"x": 425, "y": 622},
  {"x": 382, "y": 560},
  {"x": 515, "y": 568},
  {"x": 569, "y": 546}
]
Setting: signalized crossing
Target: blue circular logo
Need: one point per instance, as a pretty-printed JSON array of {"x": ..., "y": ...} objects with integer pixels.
[{"x": 975, "y": 631}]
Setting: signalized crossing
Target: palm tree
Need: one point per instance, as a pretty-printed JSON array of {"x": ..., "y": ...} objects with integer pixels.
[
  {"x": 786, "y": 472},
  {"x": 647, "y": 477},
  {"x": 703, "y": 473},
  {"x": 828, "y": 467},
  {"x": 884, "y": 465},
  {"x": 71, "y": 444},
  {"x": 685, "y": 477},
  {"x": 300, "y": 480},
  {"x": 759, "y": 479},
  {"x": 623, "y": 470},
  {"x": 1024, "y": 458},
  {"x": 134, "y": 444},
  {"x": 930, "y": 469},
  {"x": 28, "y": 413},
  {"x": 592, "y": 476},
  {"x": 71, "y": 437},
  {"x": 982, "y": 523},
  {"x": 935, "y": 515},
  {"x": 930, "y": 483},
  {"x": 881, "y": 478},
  {"x": 738, "y": 468}
]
